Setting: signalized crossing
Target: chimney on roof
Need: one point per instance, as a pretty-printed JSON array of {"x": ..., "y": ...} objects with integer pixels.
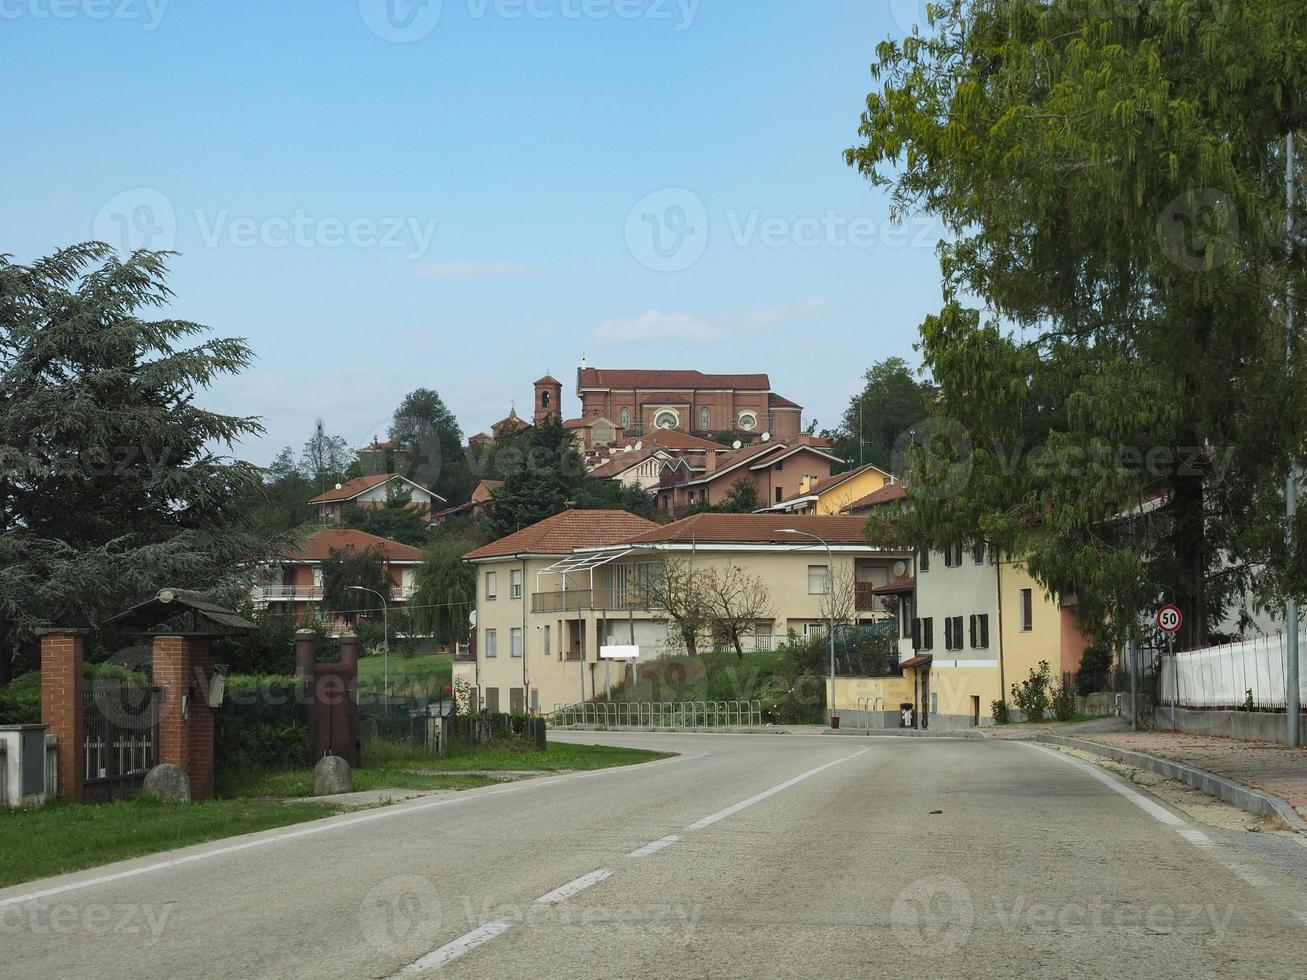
[{"x": 710, "y": 460}]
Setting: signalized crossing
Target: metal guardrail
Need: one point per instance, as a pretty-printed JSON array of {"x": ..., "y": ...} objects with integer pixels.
[
  {"x": 660, "y": 714},
  {"x": 871, "y": 706}
]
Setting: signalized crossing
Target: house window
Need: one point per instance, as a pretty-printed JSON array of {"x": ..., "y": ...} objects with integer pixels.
[
  {"x": 771, "y": 422},
  {"x": 748, "y": 421},
  {"x": 953, "y": 555},
  {"x": 978, "y": 553},
  {"x": 666, "y": 419},
  {"x": 953, "y": 633},
  {"x": 516, "y": 700},
  {"x": 515, "y": 648},
  {"x": 546, "y": 640},
  {"x": 492, "y": 643},
  {"x": 492, "y": 588},
  {"x": 1027, "y": 611},
  {"x": 980, "y": 631},
  {"x": 705, "y": 419},
  {"x": 780, "y": 494},
  {"x": 625, "y": 418},
  {"x": 818, "y": 580},
  {"x": 492, "y": 700},
  {"x": 927, "y": 633},
  {"x": 515, "y": 584},
  {"x": 923, "y": 561}
]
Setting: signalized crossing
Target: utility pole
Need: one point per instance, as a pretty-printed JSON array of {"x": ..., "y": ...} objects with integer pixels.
[{"x": 1292, "y": 707}]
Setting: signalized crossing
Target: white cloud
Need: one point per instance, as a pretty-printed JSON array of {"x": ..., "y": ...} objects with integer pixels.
[
  {"x": 736, "y": 323},
  {"x": 461, "y": 271}
]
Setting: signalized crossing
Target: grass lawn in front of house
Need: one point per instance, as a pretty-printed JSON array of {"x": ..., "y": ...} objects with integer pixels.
[{"x": 37, "y": 842}]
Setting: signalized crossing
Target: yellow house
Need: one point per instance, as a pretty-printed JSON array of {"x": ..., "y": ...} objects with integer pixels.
[
  {"x": 1035, "y": 626},
  {"x": 832, "y": 494}
]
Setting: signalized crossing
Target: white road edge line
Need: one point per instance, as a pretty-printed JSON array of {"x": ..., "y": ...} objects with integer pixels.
[
  {"x": 654, "y": 846},
  {"x": 563, "y": 892},
  {"x": 1189, "y": 832},
  {"x": 456, "y": 948},
  {"x": 327, "y": 824},
  {"x": 758, "y": 798}
]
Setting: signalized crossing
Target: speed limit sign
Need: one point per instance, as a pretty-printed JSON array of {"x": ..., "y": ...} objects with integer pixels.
[{"x": 1169, "y": 619}]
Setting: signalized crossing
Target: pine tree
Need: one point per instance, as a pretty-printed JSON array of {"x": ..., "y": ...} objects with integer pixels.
[{"x": 110, "y": 486}]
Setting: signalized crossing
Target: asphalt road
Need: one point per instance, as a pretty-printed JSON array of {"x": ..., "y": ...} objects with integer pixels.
[{"x": 745, "y": 856}]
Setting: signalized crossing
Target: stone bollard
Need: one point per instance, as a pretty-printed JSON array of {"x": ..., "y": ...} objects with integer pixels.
[
  {"x": 332, "y": 775},
  {"x": 167, "y": 782}
]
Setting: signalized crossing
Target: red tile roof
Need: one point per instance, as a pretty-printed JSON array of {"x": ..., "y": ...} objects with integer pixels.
[
  {"x": 350, "y": 490},
  {"x": 319, "y": 545},
  {"x": 754, "y": 529},
  {"x": 831, "y": 482},
  {"x": 619, "y": 464},
  {"x": 885, "y": 495},
  {"x": 609, "y": 378},
  {"x": 675, "y": 439},
  {"x": 549, "y": 379},
  {"x": 559, "y": 534},
  {"x": 776, "y": 401}
]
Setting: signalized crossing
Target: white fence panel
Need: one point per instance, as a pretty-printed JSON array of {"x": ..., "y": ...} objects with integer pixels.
[{"x": 1222, "y": 676}]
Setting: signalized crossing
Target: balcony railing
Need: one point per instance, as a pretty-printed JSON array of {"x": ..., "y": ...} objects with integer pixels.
[
  {"x": 277, "y": 593},
  {"x": 582, "y": 600}
]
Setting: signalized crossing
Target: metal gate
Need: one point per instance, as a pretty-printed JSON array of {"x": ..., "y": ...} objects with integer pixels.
[{"x": 120, "y": 738}]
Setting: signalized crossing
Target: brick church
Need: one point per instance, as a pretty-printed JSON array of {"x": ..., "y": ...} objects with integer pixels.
[{"x": 635, "y": 402}]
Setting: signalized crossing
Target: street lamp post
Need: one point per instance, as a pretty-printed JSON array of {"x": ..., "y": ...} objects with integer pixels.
[
  {"x": 385, "y": 638},
  {"x": 830, "y": 629}
]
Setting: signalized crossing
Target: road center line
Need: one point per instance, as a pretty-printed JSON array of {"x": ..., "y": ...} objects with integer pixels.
[
  {"x": 654, "y": 847},
  {"x": 563, "y": 892},
  {"x": 325, "y": 825},
  {"x": 758, "y": 798},
  {"x": 456, "y": 948}
]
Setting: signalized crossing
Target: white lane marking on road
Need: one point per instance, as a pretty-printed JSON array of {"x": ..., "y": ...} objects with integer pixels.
[
  {"x": 758, "y": 798},
  {"x": 563, "y": 892},
  {"x": 453, "y": 950},
  {"x": 328, "y": 824},
  {"x": 1190, "y": 833},
  {"x": 654, "y": 847}
]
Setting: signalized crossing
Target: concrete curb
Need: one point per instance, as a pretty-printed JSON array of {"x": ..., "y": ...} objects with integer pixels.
[
  {"x": 1245, "y": 797},
  {"x": 906, "y": 732}
]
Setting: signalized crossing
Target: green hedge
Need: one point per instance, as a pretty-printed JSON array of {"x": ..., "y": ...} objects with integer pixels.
[{"x": 261, "y": 725}]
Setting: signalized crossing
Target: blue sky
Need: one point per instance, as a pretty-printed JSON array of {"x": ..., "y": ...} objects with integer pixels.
[{"x": 380, "y": 198}]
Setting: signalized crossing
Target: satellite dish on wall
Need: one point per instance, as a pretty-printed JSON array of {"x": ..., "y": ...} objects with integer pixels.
[
  {"x": 737, "y": 444},
  {"x": 639, "y": 446},
  {"x": 766, "y": 437},
  {"x": 900, "y": 569}
]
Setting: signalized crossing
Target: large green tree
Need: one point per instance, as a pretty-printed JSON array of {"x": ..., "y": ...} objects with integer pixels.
[
  {"x": 429, "y": 445},
  {"x": 892, "y": 399},
  {"x": 396, "y": 520},
  {"x": 445, "y": 590},
  {"x": 112, "y": 481},
  {"x": 1115, "y": 408},
  {"x": 541, "y": 470}
]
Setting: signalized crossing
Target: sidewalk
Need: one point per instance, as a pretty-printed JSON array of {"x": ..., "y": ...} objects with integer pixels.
[{"x": 1266, "y": 766}]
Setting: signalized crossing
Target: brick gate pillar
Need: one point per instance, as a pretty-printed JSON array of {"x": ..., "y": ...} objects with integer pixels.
[
  {"x": 61, "y": 705},
  {"x": 182, "y": 668}
]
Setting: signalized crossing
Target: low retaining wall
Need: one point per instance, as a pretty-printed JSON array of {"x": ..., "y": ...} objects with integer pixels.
[
  {"x": 1237, "y": 794},
  {"x": 1266, "y": 726}
]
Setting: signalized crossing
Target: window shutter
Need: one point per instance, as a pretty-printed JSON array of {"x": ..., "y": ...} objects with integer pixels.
[
  {"x": 984, "y": 631},
  {"x": 973, "y": 630}
]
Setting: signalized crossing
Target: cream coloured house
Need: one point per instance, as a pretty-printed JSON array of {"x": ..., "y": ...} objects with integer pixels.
[{"x": 545, "y": 609}]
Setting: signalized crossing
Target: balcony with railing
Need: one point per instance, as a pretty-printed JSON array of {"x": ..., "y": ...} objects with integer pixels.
[
  {"x": 287, "y": 593},
  {"x": 866, "y": 600},
  {"x": 584, "y": 600}
]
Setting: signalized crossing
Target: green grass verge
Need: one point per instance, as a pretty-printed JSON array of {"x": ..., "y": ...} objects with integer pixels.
[
  {"x": 391, "y": 766},
  {"x": 422, "y": 675},
  {"x": 62, "y": 837}
]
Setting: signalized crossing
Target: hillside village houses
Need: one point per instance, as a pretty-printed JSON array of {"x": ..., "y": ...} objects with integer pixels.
[{"x": 373, "y": 491}]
